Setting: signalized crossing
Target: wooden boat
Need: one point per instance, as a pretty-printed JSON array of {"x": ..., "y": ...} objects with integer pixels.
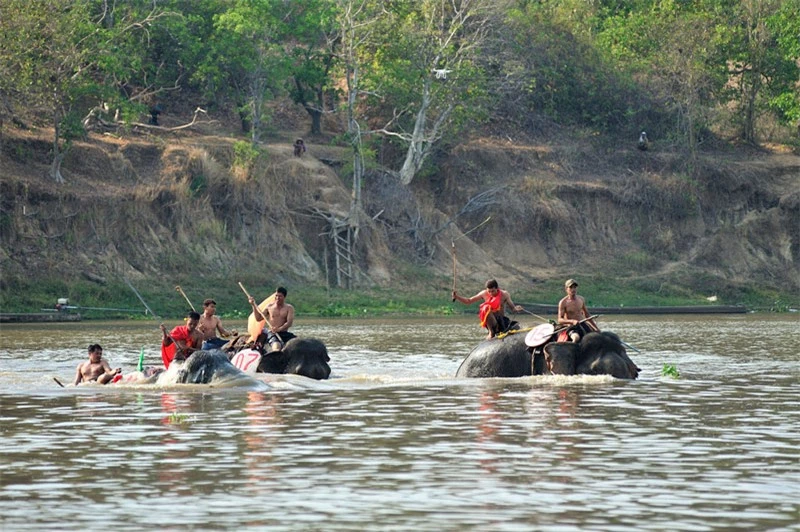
[
  {"x": 38, "y": 317},
  {"x": 695, "y": 309}
]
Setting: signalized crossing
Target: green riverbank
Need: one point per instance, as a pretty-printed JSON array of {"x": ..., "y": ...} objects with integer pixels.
[{"x": 420, "y": 297}]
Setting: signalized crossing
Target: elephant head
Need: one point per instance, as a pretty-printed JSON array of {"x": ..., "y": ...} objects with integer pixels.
[
  {"x": 300, "y": 356},
  {"x": 598, "y": 353},
  {"x": 560, "y": 357}
]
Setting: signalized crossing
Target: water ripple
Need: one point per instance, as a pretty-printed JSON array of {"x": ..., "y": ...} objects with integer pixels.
[{"x": 395, "y": 442}]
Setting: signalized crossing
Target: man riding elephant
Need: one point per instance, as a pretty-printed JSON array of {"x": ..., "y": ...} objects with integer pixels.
[
  {"x": 491, "y": 312},
  {"x": 573, "y": 313},
  {"x": 277, "y": 317}
]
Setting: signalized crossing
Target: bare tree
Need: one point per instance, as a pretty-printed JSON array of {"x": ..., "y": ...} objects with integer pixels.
[
  {"x": 443, "y": 38},
  {"x": 357, "y": 20},
  {"x": 683, "y": 79}
]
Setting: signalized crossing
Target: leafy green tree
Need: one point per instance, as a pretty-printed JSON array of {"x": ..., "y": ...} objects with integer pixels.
[
  {"x": 247, "y": 56},
  {"x": 548, "y": 63},
  {"x": 669, "y": 46},
  {"x": 312, "y": 44},
  {"x": 145, "y": 53},
  {"x": 763, "y": 70},
  {"x": 47, "y": 50},
  {"x": 683, "y": 74},
  {"x": 64, "y": 56},
  {"x": 785, "y": 25}
]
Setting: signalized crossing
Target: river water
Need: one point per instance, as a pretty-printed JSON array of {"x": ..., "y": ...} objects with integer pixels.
[{"x": 393, "y": 442}]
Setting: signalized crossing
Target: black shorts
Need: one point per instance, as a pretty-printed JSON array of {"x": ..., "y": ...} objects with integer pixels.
[
  {"x": 281, "y": 337},
  {"x": 582, "y": 329},
  {"x": 505, "y": 324}
]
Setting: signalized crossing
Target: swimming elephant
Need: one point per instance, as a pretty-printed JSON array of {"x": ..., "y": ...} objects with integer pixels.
[
  {"x": 300, "y": 356},
  {"x": 596, "y": 354},
  {"x": 202, "y": 367}
]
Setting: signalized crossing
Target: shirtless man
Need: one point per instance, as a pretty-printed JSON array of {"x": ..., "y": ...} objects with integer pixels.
[
  {"x": 572, "y": 311},
  {"x": 491, "y": 312},
  {"x": 96, "y": 368},
  {"x": 186, "y": 337},
  {"x": 209, "y": 324},
  {"x": 279, "y": 317}
]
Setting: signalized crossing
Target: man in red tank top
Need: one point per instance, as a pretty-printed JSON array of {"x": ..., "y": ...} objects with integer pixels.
[{"x": 491, "y": 312}]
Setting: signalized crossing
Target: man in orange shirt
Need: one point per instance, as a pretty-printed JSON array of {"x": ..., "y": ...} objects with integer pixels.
[
  {"x": 491, "y": 313},
  {"x": 181, "y": 341}
]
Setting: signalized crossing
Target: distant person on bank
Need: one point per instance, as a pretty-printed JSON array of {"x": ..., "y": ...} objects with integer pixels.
[
  {"x": 210, "y": 324},
  {"x": 96, "y": 369},
  {"x": 299, "y": 148},
  {"x": 278, "y": 317},
  {"x": 572, "y": 312},
  {"x": 491, "y": 312}
]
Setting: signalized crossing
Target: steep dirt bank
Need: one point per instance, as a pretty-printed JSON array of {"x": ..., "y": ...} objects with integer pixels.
[
  {"x": 148, "y": 207},
  {"x": 138, "y": 208},
  {"x": 621, "y": 212}
]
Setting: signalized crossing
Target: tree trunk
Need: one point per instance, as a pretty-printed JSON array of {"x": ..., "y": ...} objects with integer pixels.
[
  {"x": 244, "y": 116},
  {"x": 751, "y": 91},
  {"x": 354, "y": 131},
  {"x": 421, "y": 142},
  {"x": 316, "y": 120},
  {"x": 55, "y": 168},
  {"x": 255, "y": 117},
  {"x": 258, "y": 89},
  {"x": 316, "y": 114},
  {"x": 416, "y": 147},
  {"x": 58, "y": 155}
]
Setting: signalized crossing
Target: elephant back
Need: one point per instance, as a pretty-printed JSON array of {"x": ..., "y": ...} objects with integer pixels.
[
  {"x": 202, "y": 367},
  {"x": 506, "y": 357}
]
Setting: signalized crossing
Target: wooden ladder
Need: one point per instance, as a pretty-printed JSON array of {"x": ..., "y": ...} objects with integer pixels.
[{"x": 342, "y": 246}]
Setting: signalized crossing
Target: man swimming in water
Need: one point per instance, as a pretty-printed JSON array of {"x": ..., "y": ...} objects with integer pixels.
[{"x": 96, "y": 369}]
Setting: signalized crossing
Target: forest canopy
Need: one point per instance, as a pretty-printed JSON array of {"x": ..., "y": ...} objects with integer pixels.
[{"x": 409, "y": 73}]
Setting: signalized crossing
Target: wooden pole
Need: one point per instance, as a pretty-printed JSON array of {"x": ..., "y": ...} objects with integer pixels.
[{"x": 179, "y": 289}]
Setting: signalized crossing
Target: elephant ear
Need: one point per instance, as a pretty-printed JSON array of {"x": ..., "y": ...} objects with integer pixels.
[{"x": 560, "y": 357}]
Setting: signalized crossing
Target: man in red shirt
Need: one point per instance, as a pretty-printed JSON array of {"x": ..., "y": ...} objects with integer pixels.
[
  {"x": 491, "y": 312},
  {"x": 182, "y": 341}
]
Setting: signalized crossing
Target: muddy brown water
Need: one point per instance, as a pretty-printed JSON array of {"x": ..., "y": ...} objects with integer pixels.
[{"x": 393, "y": 442}]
